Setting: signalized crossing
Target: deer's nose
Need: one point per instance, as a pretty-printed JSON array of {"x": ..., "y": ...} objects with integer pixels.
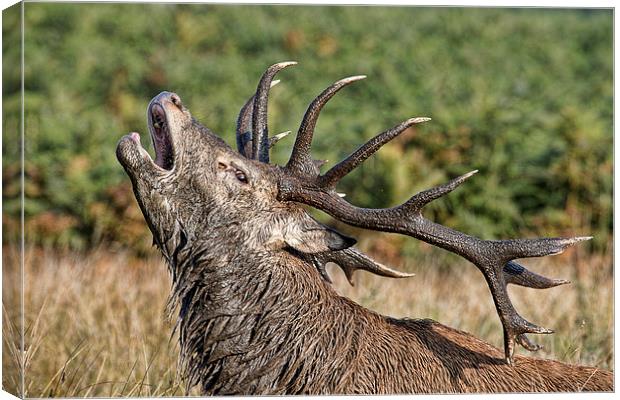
[{"x": 173, "y": 98}]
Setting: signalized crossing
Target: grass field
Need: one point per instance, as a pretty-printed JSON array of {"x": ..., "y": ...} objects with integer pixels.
[{"x": 95, "y": 322}]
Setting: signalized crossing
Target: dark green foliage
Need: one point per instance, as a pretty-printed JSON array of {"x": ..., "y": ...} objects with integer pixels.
[{"x": 523, "y": 95}]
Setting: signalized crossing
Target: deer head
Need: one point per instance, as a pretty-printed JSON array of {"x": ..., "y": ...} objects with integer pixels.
[{"x": 197, "y": 181}]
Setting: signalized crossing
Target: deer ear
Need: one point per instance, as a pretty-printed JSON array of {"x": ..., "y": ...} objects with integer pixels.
[{"x": 309, "y": 236}]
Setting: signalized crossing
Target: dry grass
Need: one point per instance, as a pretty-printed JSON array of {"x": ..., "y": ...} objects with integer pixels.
[{"x": 95, "y": 325}]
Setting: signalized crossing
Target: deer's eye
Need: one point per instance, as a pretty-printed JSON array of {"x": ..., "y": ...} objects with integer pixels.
[{"x": 241, "y": 176}]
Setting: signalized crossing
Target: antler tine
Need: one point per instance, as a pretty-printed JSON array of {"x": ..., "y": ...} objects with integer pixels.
[
  {"x": 351, "y": 260},
  {"x": 276, "y": 138},
  {"x": 519, "y": 275},
  {"x": 525, "y": 342},
  {"x": 522, "y": 248},
  {"x": 418, "y": 201},
  {"x": 244, "y": 129},
  {"x": 340, "y": 170},
  {"x": 260, "y": 133},
  {"x": 300, "y": 161},
  {"x": 244, "y": 126}
]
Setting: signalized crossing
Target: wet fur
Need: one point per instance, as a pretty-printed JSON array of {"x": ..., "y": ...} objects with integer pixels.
[{"x": 266, "y": 323}]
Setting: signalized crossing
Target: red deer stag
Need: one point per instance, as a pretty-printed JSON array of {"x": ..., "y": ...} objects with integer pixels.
[{"x": 256, "y": 312}]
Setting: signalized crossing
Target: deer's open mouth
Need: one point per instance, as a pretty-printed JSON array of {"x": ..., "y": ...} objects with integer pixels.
[{"x": 160, "y": 134}]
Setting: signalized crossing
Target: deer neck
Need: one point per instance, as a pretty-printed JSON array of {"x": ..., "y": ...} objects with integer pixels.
[{"x": 245, "y": 315}]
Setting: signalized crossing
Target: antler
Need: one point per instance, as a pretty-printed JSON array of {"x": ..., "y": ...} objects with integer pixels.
[
  {"x": 350, "y": 260},
  {"x": 300, "y": 162},
  {"x": 260, "y": 133},
  {"x": 300, "y": 181},
  {"x": 244, "y": 126}
]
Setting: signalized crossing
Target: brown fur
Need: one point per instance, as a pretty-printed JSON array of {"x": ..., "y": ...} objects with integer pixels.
[{"x": 297, "y": 336}]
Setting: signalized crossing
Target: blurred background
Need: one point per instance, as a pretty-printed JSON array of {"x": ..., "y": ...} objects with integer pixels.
[{"x": 523, "y": 95}]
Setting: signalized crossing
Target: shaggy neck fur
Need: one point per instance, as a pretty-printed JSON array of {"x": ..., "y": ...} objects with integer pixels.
[
  {"x": 266, "y": 323},
  {"x": 253, "y": 330}
]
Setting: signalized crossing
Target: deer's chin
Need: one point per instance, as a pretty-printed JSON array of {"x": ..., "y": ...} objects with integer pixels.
[
  {"x": 131, "y": 154},
  {"x": 133, "y": 157}
]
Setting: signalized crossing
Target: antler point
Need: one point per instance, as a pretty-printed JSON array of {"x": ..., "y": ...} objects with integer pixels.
[
  {"x": 571, "y": 241},
  {"x": 418, "y": 120},
  {"x": 351, "y": 79},
  {"x": 283, "y": 134}
]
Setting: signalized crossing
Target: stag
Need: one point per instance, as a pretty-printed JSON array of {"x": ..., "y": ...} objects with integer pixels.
[{"x": 256, "y": 311}]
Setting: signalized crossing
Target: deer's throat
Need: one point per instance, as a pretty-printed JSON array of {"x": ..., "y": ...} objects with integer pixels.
[{"x": 242, "y": 324}]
